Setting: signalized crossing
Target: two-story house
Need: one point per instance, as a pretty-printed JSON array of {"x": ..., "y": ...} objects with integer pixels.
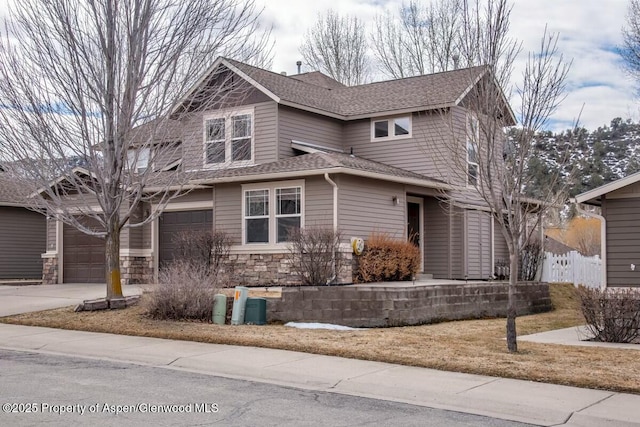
[{"x": 304, "y": 150}]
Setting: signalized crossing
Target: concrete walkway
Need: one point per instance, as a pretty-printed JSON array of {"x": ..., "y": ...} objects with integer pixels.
[{"x": 524, "y": 401}]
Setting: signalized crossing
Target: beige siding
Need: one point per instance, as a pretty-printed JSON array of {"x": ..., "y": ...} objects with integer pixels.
[
  {"x": 458, "y": 246},
  {"x": 264, "y": 129},
  {"x": 318, "y": 203},
  {"x": 135, "y": 233},
  {"x": 307, "y": 127},
  {"x": 623, "y": 241},
  {"x": 478, "y": 232},
  {"x": 227, "y": 215},
  {"x": 366, "y": 206},
  {"x": 52, "y": 241},
  {"x": 437, "y": 249},
  {"x": 424, "y": 153}
]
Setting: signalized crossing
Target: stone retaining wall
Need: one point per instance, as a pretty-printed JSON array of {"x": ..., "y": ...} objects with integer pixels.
[{"x": 402, "y": 305}]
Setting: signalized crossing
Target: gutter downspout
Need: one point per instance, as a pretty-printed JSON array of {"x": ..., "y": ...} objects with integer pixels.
[
  {"x": 603, "y": 240},
  {"x": 335, "y": 222}
]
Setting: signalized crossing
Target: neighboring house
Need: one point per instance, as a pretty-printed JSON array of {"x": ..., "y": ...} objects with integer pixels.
[
  {"x": 304, "y": 150},
  {"x": 22, "y": 234},
  {"x": 619, "y": 202},
  {"x": 555, "y": 246}
]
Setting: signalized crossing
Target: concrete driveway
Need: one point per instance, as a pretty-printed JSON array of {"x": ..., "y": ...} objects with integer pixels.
[{"x": 24, "y": 299}]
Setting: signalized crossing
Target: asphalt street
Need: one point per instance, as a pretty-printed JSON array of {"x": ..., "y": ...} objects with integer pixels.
[{"x": 41, "y": 389}]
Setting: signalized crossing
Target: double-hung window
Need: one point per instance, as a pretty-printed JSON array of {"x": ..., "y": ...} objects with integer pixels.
[
  {"x": 473, "y": 135},
  {"x": 271, "y": 212},
  {"x": 391, "y": 128},
  {"x": 228, "y": 138}
]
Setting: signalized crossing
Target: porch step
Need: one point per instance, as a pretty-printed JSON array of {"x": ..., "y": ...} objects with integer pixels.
[{"x": 424, "y": 276}]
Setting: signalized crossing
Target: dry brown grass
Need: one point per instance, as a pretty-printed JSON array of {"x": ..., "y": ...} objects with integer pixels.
[{"x": 474, "y": 346}]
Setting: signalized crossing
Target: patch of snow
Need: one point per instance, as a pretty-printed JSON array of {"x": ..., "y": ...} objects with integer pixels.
[{"x": 321, "y": 326}]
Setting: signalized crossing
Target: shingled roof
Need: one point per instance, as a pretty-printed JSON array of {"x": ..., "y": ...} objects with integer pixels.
[
  {"x": 299, "y": 166},
  {"x": 316, "y": 92},
  {"x": 11, "y": 193}
]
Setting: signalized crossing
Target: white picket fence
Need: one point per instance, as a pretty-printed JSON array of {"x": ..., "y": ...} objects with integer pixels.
[{"x": 573, "y": 268}]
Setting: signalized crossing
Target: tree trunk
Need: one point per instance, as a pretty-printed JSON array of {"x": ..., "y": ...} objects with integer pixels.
[
  {"x": 512, "y": 343},
  {"x": 114, "y": 286}
]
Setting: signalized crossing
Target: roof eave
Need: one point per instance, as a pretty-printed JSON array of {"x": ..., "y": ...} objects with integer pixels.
[{"x": 589, "y": 197}]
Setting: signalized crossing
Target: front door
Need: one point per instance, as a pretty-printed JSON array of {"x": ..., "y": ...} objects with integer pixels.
[{"x": 415, "y": 215}]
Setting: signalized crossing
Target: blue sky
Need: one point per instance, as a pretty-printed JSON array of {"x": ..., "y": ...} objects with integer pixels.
[{"x": 590, "y": 31}]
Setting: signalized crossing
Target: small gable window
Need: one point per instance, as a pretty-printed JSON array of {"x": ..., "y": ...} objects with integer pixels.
[
  {"x": 228, "y": 139},
  {"x": 391, "y": 128}
]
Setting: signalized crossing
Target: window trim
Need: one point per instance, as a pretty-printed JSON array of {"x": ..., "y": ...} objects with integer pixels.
[
  {"x": 228, "y": 116},
  {"x": 471, "y": 144},
  {"x": 273, "y": 232},
  {"x": 390, "y": 121}
]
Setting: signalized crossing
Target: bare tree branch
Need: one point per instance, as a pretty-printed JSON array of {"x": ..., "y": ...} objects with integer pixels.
[
  {"x": 93, "y": 84},
  {"x": 338, "y": 46}
]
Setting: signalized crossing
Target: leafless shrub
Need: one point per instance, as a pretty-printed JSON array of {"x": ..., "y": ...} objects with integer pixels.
[
  {"x": 185, "y": 291},
  {"x": 207, "y": 249},
  {"x": 387, "y": 259},
  {"x": 612, "y": 315},
  {"x": 531, "y": 257},
  {"x": 314, "y": 255}
]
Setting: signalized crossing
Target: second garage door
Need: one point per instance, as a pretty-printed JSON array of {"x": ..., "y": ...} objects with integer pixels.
[
  {"x": 172, "y": 223},
  {"x": 83, "y": 257}
]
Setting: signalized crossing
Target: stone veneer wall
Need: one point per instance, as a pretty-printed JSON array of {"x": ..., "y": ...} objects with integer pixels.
[
  {"x": 133, "y": 270},
  {"x": 401, "y": 305},
  {"x": 270, "y": 269},
  {"x": 49, "y": 271},
  {"x": 136, "y": 269}
]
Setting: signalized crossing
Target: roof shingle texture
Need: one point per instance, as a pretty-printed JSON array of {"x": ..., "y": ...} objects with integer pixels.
[{"x": 428, "y": 91}]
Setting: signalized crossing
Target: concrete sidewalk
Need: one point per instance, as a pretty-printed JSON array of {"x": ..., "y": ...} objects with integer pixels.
[
  {"x": 17, "y": 299},
  {"x": 530, "y": 402}
]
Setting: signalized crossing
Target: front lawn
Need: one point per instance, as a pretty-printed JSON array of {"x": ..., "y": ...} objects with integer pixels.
[{"x": 472, "y": 346}]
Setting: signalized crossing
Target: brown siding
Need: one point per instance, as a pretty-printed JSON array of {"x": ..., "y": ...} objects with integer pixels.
[
  {"x": 135, "y": 233},
  {"x": 265, "y": 129},
  {"x": 437, "y": 240},
  {"x": 623, "y": 241},
  {"x": 307, "y": 127},
  {"x": 366, "y": 206},
  {"x": 22, "y": 242}
]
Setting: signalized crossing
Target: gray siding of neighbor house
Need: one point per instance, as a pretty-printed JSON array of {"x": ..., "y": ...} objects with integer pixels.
[
  {"x": 22, "y": 242},
  {"x": 437, "y": 242},
  {"x": 136, "y": 234},
  {"x": 264, "y": 129},
  {"x": 623, "y": 241},
  {"x": 423, "y": 153},
  {"x": 366, "y": 206},
  {"x": 307, "y": 127},
  {"x": 458, "y": 243}
]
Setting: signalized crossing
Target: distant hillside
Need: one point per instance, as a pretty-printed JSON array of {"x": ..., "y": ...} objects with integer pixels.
[{"x": 601, "y": 156}]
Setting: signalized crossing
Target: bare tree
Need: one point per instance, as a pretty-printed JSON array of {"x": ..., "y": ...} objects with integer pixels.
[
  {"x": 489, "y": 166},
  {"x": 419, "y": 40},
  {"x": 90, "y": 92},
  {"x": 338, "y": 46},
  {"x": 630, "y": 49}
]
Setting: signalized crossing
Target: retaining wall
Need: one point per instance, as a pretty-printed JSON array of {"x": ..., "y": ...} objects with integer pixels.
[{"x": 403, "y": 305}]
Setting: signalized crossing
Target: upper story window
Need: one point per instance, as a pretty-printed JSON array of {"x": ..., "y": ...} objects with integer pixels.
[
  {"x": 138, "y": 159},
  {"x": 391, "y": 128},
  {"x": 228, "y": 138},
  {"x": 272, "y": 211},
  {"x": 473, "y": 136}
]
